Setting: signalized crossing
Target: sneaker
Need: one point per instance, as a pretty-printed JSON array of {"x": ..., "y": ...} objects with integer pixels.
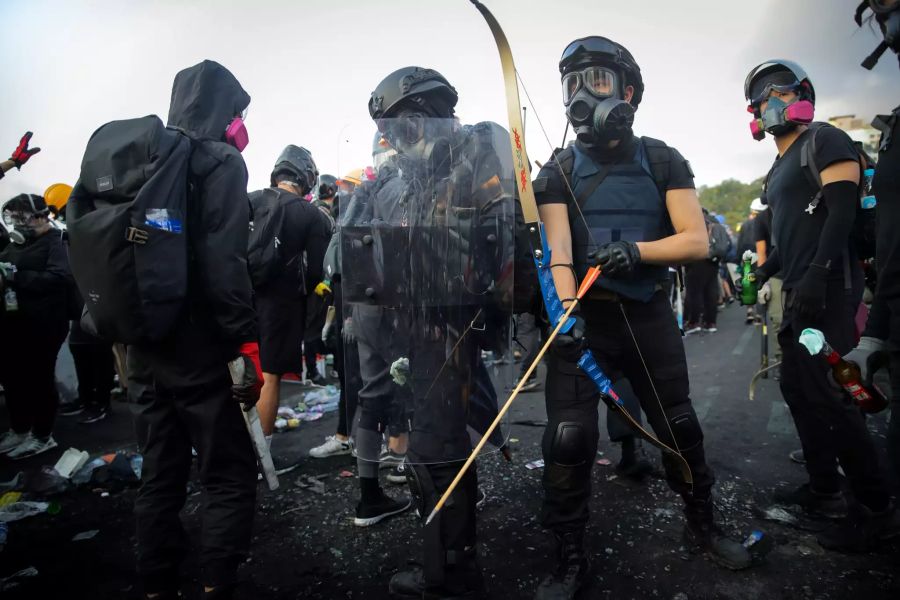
[
  {"x": 94, "y": 415},
  {"x": 797, "y": 457},
  {"x": 71, "y": 408},
  {"x": 318, "y": 381},
  {"x": 690, "y": 328},
  {"x": 710, "y": 328},
  {"x": 397, "y": 474},
  {"x": 531, "y": 385},
  {"x": 816, "y": 504},
  {"x": 389, "y": 459},
  {"x": 11, "y": 440},
  {"x": 331, "y": 447},
  {"x": 861, "y": 529},
  {"x": 32, "y": 446},
  {"x": 371, "y": 513}
]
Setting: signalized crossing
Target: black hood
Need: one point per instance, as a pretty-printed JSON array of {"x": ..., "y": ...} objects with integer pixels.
[{"x": 205, "y": 98}]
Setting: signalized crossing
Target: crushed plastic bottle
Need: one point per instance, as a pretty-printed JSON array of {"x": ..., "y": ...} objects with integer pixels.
[{"x": 22, "y": 510}]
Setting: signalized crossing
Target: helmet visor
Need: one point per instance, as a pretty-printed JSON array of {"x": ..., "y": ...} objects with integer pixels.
[
  {"x": 403, "y": 130},
  {"x": 589, "y": 45}
]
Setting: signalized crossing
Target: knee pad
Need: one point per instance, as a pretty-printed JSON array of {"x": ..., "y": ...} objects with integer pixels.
[
  {"x": 685, "y": 427},
  {"x": 570, "y": 446}
]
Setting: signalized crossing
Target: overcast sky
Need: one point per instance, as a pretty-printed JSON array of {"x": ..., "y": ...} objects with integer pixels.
[{"x": 310, "y": 67}]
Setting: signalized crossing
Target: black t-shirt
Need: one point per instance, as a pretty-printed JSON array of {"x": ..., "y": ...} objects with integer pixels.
[
  {"x": 555, "y": 191},
  {"x": 763, "y": 229},
  {"x": 795, "y": 232},
  {"x": 746, "y": 237}
]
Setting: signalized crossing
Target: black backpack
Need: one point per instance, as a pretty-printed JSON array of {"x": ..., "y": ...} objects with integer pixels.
[
  {"x": 265, "y": 258},
  {"x": 863, "y": 234},
  {"x": 719, "y": 241},
  {"x": 128, "y": 229}
]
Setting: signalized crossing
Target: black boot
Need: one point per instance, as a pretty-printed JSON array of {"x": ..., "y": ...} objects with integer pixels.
[
  {"x": 572, "y": 571},
  {"x": 701, "y": 534},
  {"x": 462, "y": 581},
  {"x": 633, "y": 464},
  {"x": 862, "y": 529}
]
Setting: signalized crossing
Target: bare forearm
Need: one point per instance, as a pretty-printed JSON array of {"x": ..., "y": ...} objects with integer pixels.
[
  {"x": 6, "y": 165},
  {"x": 761, "y": 253},
  {"x": 683, "y": 247}
]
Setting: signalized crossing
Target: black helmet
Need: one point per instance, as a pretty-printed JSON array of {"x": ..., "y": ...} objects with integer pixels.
[
  {"x": 777, "y": 72},
  {"x": 327, "y": 187},
  {"x": 415, "y": 86},
  {"x": 299, "y": 162},
  {"x": 596, "y": 50}
]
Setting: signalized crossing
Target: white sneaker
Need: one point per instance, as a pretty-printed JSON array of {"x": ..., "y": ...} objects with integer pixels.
[
  {"x": 331, "y": 447},
  {"x": 32, "y": 446},
  {"x": 10, "y": 440}
]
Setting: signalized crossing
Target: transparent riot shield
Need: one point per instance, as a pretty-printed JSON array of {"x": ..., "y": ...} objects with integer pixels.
[{"x": 427, "y": 254}]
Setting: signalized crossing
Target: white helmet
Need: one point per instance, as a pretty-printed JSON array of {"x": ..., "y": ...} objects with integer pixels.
[{"x": 757, "y": 205}]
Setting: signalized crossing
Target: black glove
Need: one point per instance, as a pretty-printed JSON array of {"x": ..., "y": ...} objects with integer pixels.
[
  {"x": 22, "y": 153},
  {"x": 809, "y": 295},
  {"x": 617, "y": 259},
  {"x": 569, "y": 346}
]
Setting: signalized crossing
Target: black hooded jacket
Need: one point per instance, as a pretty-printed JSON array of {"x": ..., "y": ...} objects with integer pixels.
[
  {"x": 205, "y": 98},
  {"x": 41, "y": 282}
]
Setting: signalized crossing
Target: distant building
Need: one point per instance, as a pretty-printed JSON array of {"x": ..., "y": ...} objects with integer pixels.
[{"x": 859, "y": 131}]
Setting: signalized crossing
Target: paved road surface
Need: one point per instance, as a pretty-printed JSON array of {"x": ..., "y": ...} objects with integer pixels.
[{"x": 305, "y": 545}]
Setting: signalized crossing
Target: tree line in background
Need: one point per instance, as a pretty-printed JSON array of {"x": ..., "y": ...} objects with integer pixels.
[{"x": 731, "y": 198}]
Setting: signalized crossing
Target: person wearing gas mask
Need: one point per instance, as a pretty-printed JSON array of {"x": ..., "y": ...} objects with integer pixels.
[
  {"x": 880, "y": 342},
  {"x": 428, "y": 251},
  {"x": 18, "y": 158},
  {"x": 627, "y": 205},
  {"x": 285, "y": 279},
  {"x": 34, "y": 283},
  {"x": 822, "y": 284},
  {"x": 182, "y": 393}
]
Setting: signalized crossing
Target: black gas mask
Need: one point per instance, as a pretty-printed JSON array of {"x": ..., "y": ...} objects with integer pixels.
[
  {"x": 595, "y": 106},
  {"x": 888, "y": 18}
]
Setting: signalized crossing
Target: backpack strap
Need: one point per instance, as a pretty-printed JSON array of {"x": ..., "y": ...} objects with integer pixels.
[
  {"x": 808, "y": 163},
  {"x": 660, "y": 159}
]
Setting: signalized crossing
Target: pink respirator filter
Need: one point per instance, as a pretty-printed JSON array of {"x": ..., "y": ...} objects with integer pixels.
[{"x": 236, "y": 134}]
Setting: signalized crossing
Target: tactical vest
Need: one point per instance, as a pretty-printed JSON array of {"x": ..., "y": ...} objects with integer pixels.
[{"x": 627, "y": 205}]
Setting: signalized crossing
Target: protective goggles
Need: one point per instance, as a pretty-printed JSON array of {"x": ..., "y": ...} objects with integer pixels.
[
  {"x": 18, "y": 219},
  {"x": 767, "y": 90},
  {"x": 405, "y": 129},
  {"x": 598, "y": 81}
]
